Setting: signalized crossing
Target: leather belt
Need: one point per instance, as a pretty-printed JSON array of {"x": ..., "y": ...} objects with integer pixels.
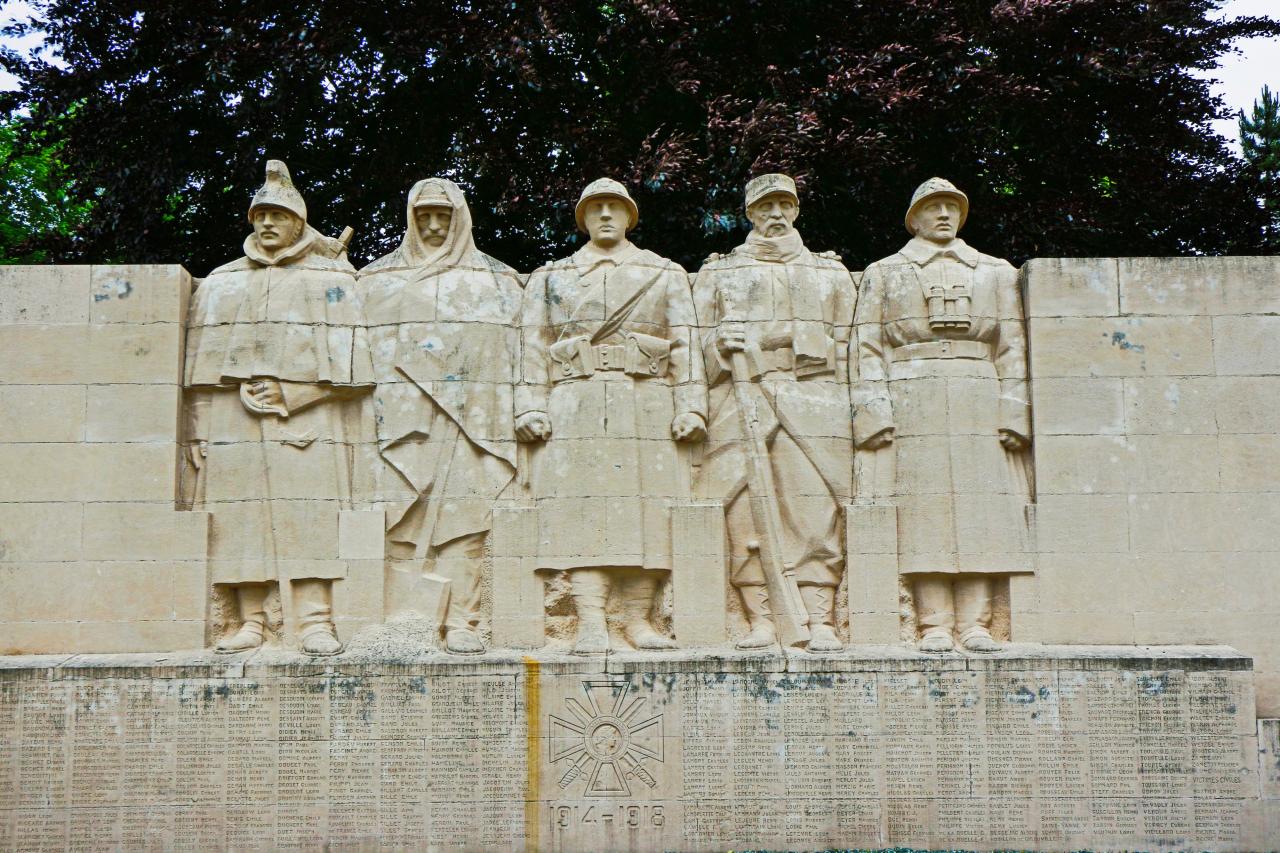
[{"x": 943, "y": 349}]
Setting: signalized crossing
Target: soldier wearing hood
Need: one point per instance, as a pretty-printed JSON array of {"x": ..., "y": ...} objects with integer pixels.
[
  {"x": 442, "y": 319},
  {"x": 610, "y": 381},
  {"x": 789, "y": 312},
  {"x": 942, "y": 368},
  {"x": 275, "y": 358}
]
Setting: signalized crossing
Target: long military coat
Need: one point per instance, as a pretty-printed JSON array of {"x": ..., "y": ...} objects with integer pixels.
[
  {"x": 608, "y": 354},
  {"x": 947, "y": 387},
  {"x": 443, "y": 330},
  {"x": 274, "y": 484},
  {"x": 784, "y": 305}
]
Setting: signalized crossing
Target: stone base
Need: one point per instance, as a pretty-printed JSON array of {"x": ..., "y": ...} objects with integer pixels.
[{"x": 1036, "y": 747}]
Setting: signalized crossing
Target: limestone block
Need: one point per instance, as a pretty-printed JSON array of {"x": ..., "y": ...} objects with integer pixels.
[
  {"x": 38, "y": 295},
  {"x": 872, "y": 572},
  {"x": 1174, "y": 463},
  {"x": 190, "y": 588},
  {"x": 130, "y": 531},
  {"x": 1122, "y": 346},
  {"x": 1247, "y": 403},
  {"x": 133, "y": 412},
  {"x": 51, "y": 413},
  {"x": 1190, "y": 583},
  {"x": 1161, "y": 628},
  {"x": 44, "y": 638},
  {"x": 875, "y": 628},
  {"x": 1181, "y": 404},
  {"x": 96, "y": 591},
  {"x": 1097, "y": 626},
  {"x": 1024, "y": 607},
  {"x": 1267, "y": 691},
  {"x": 518, "y": 609},
  {"x": 62, "y": 355},
  {"x": 1079, "y": 464},
  {"x": 140, "y": 636},
  {"x": 139, "y": 293},
  {"x": 1185, "y": 286},
  {"x": 1071, "y": 287},
  {"x": 698, "y": 573},
  {"x": 1246, "y": 346},
  {"x": 1089, "y": 582},
  {"x": 1082, "y": 523},
  {"x": 1078, "y": 406},
  {"x": 1250, "y": 463},
  {"x": 361, "y": 534},
  {"x": 40, "y": 531},
  {"x": 1253, "y": 584},
  {"x": 358, "y": 600},
  {"x": 1205, "y": 522},
  {"x": 90, "y": 472}
]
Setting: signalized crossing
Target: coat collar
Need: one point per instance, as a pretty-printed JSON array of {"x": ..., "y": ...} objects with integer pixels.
[
  {"x": 922, "y": 252},
  {"x": 589, "y": 257}
]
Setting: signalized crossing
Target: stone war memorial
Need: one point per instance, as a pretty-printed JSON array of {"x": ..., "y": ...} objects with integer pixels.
[{"x": 613, "y": 555}]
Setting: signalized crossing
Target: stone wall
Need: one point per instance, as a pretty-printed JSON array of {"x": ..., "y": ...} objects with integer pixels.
[
  {"x": 93, "y": 556},
  {"x": 1062, "y": 748},
  {"x": 1156, "y": 385}
]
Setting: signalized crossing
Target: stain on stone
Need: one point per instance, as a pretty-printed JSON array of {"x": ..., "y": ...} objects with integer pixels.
[
  {"x": 1152, "y": 685},
  {"x": 335, "y": 295},
  {"x": 1120, "y": 340},
  {"x": 118, "y": 287},
  {"x": 1022, "y": 696}
]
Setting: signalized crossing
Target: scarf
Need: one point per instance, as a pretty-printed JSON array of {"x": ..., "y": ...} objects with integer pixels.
[{"x": 808, "y": 328}]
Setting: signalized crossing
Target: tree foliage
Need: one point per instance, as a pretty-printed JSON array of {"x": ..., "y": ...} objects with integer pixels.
[
  {"x": 40, "y": 211},
  {"x": 1260, "y": 142},
  {"x": 1079, "y": 127}
]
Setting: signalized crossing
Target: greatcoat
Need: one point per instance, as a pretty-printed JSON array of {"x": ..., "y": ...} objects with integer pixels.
[
  {"x": 609, "y": 355},
  {"x": 942, "y": 359},
  {"x": 273, "y": 483},
  {"x": 444, "y": 338},
  {"x": 797, "y": 310}
]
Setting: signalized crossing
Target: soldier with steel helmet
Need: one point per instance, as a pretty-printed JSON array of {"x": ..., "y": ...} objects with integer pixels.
[
  {"x": 942, "y": 392},
  {"x": 775, "y": 320},
  {"x": 275, "y": 359},
  {"x": 611, "y": 380}
]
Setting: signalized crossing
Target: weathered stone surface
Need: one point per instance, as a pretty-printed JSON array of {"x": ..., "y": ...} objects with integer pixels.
[{"x": 1038, "y": 747}]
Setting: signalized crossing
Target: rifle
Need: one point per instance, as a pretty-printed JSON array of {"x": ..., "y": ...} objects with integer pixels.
[{"x": 789, "y": 614}]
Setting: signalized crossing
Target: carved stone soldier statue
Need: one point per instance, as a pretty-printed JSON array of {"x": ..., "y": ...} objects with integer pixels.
[
  {"x": 611, "y": 379},
  {"x": 275, "y": 357},
  {"x": 942, "y": 363},
  {"x": 442, "y": 320},
  {"x": 782, "y": 314}
]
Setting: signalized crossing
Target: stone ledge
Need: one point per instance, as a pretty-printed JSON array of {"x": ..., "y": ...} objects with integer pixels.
[{"x": 1015, "y": 658}]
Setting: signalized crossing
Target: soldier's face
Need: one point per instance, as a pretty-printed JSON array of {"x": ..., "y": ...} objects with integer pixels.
[
  {"x": 938, "y": 219},
  {"x": 774, "y": 215},
  {"x": 276, "y": 227},
  {"x": 433, "y": 223},
  {"x": 606, "y": 220}
]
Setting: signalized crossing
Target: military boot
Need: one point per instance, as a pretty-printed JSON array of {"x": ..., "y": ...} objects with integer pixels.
[
  {"x": 820, "y": 603},
  {"x": 973, "y": 614},
  {"x": 590, "y": 590},
  {"x": 316, "y": 633},
  {"x": 253, "y": 621},
  {"x": 755, "y": 602}
]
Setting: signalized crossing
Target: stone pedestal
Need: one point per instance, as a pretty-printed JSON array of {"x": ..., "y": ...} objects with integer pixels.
[{"x": 1038, "y": 747}]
